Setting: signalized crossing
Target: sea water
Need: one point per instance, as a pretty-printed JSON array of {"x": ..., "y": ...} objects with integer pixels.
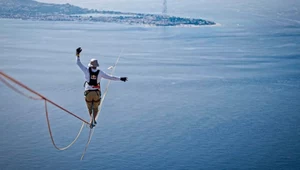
[{"x": 221, "y": 97}]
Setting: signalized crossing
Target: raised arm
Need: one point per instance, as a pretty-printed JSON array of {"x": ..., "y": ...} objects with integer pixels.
[{"x": 81, "y": 66}]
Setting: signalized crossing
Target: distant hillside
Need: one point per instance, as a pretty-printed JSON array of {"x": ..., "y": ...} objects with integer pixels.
[
  {"x": 30, "y": 7},
  {"x": 33, "y": 10}
]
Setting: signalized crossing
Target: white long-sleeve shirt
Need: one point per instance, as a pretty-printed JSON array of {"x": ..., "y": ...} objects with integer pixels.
[{"x": 101, "y": 75}]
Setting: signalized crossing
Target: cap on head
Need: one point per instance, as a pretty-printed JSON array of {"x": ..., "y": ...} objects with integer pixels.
[{"x": 93, "y": 63}]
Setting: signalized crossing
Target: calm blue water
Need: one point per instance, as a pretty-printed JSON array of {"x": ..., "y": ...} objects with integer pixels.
[{"x": 224, "y": 97}]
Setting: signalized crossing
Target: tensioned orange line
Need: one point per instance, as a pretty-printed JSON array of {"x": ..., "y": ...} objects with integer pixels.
[
  {"x": 43, "y": 97},
  {"x": 19, "y": 91}
]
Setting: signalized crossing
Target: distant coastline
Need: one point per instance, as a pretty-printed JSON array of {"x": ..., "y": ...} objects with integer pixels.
[{"x": 33, "y": 10}]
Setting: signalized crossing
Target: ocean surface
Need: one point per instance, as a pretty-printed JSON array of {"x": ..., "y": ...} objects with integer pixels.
[{"x": 217, "y": 97}]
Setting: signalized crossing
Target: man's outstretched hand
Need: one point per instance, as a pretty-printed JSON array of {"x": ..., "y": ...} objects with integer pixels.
[
  {"x": 124, "y": 79},
  {"x": 78, "y": 51}
]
